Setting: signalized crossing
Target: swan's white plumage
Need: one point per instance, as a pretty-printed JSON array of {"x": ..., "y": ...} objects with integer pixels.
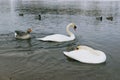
[
  {"x": 60, "y": 37},
  {"x": 86, "y": 54},
  {"x": 56, "y": 38}
]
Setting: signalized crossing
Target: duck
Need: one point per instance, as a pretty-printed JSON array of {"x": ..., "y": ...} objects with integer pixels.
[
  {"x": 61, "y": 37},
  {"x": 38, "y": 17},
  {"x": 23, "y": 35},
  {"x": 99, "y": 18},
  {"x": 109, "y": 18},
  {"x": 86, "y": 54},
  {"x": 21, "y": 14}
]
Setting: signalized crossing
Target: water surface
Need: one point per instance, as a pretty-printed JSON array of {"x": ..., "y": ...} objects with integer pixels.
[{"x": 37, "y": 60}]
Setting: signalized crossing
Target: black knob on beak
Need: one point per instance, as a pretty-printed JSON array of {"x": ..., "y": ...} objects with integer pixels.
[{"x": 75, "y": 27}]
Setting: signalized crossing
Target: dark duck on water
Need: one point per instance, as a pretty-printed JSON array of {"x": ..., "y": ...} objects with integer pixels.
[
  {"x": 23, "y": 35},
  {"x": 99, "y": 18},
  {"x": 109, "y": 18}
]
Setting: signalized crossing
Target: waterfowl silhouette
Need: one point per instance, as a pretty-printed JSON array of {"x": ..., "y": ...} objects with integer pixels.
[
  {"x": 60, "y": 37},
  {"x": 21, "y": 14},
  {"x": 87, "y": 54},
  {"x": 99, "y": 18},
  {"x": 109, "y": 18},
  {"x": 23, "y": 35}
]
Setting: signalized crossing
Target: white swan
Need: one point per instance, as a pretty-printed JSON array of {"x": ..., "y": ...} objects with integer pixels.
[
  {"x": 23, "y": 35},
  {"x": 86, "y": 54},
  {"x": 60, "y": 37}
]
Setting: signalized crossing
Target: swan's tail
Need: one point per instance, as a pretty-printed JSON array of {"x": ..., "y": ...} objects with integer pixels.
[
  {"x": 42, "y": 39},
  {"x": 39, "y": 39},
  {"x": 66, "y": 53}
]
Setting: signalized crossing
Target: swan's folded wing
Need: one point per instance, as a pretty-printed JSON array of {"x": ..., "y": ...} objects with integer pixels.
[
  {"x": 86, "y": 56},
  {"x": 55, "y": 37}
]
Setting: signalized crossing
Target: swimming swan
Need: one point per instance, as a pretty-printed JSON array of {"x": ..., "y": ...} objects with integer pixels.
[
  {"x": 60, "y": 37},
  {"x": 87, "y": 54},
  {"x": 23, "y": 35}
]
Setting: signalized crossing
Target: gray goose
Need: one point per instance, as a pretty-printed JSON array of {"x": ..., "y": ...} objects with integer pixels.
[{"x": 23, "y": 35}]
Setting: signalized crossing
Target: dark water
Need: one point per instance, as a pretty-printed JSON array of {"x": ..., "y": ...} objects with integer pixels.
[{"x": 37, "y": 60}]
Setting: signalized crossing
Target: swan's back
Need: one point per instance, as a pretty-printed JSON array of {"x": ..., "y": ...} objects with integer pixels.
[
  {"x": 86, "y": 48},
  {"x": 56, "y": 38},
  {"x": 87, "y": 55}
]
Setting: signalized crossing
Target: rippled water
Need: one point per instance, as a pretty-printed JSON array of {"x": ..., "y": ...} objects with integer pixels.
[{"x": 37, "y": 60}]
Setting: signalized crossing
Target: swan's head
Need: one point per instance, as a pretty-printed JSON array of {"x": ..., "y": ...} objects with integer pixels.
[
  {"x": 77, "y": 48},
  {"x": 73, "y": 25},
  {"x": 29, "y": 30}
]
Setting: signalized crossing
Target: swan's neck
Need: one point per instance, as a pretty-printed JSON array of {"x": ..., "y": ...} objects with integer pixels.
[{"x": 69, "y": 32}]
